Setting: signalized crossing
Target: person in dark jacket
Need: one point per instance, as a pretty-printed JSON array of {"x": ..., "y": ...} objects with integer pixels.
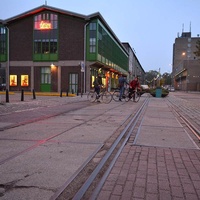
[
  {"x": 97, "y": 84},
  {"x": 122, "y": 81}
]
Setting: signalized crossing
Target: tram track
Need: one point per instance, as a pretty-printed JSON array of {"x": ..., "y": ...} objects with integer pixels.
[
  {"x": 90, "y": 188},
  {"x": 88, "y": 180},
  {"x": 98, "y": 174},
  {"x": 185, "y": 115},
  {"x": 52, "y": 138},
  {"x": 40, "y": 142}
]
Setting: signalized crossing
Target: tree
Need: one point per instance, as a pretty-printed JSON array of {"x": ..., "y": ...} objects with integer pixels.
[
  {"x": 150, "y": 77},
  {"x": 166, "y": 78},
  {"x": 197, "y": 52}
]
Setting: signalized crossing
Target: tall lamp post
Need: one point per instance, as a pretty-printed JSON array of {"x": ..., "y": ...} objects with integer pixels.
[{"x": 8, "y": 59}]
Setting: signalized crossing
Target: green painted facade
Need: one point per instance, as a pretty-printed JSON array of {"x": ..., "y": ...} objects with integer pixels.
[{"x": 102, "y": 47}]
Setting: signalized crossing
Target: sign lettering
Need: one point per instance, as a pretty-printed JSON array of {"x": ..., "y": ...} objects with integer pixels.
[{"x": 45, "y": 25}]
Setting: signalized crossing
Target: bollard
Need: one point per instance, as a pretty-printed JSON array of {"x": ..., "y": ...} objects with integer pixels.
[
  {"x": 34, "y": 97},
  {"x": 7, "y": 96},
  {"x": 22, "y": 95},
  {"x": 77, "y": 93},
  {"x": 72, "y": 91},
  {"x": 67, "y": 93},
  {"x": 60, "y": 93}
]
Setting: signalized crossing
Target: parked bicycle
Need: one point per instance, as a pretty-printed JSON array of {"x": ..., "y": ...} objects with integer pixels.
[{"x": 104, "y": 96}]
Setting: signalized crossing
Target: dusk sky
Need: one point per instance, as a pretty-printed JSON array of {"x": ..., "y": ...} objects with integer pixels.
[{"x": 149, "y": 26}]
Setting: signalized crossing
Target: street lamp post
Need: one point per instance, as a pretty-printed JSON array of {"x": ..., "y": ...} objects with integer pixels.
[{"x": 8, "y": 61}]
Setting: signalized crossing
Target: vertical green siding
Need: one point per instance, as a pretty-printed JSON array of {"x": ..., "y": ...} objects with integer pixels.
[{"x": 108, "y": 50}]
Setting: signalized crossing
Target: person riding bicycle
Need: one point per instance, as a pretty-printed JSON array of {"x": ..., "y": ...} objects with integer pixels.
[
  {"x": 133, "y": 85},
  {"x": 122, "y": 81},
  {"x": 97, "y": 84}
]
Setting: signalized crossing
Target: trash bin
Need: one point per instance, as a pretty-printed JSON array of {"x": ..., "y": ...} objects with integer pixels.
[{"x": 158, "y": 93}]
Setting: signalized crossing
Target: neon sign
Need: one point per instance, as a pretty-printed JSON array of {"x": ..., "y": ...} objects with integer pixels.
[{"x": 45, "y": 25}]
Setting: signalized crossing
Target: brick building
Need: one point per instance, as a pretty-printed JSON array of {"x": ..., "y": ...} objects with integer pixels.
[
  {"x": 50, "y": 49},
  {"x": 186, "y": 65}
]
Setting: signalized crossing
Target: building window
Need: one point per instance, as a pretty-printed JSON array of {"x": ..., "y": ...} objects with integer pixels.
[
  {"x": 92, "y": 45},
  {"x": 13, "y": 80},
  {"x": 92, "y": 35},
  {"x": 46, "y": 36},
  {"x": 3, "y": 44},
  {"x": 73, "y": 82},
  {"x": 109, "y": 51},
  {"x": 46, "y": 75}
]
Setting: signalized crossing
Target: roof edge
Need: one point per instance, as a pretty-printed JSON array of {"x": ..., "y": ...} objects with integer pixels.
[{"x": 42, "y": 8}]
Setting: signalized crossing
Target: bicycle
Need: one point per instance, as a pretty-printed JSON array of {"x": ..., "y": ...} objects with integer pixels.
[
  {"x": 104, "y": 96},
  {"x": 116, "y": 94},
  {"x": 134, "y": 96}
]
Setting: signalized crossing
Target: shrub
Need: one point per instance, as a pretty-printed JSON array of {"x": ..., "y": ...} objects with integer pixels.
[{"x": 165, "y": 92}]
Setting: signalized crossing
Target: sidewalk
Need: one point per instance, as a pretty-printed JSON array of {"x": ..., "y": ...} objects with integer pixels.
[
  {"x": 17, "y": 96},
  {"x": 163, "y": 163}
]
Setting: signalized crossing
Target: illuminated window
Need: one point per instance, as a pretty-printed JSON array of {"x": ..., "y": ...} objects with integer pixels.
[
  {"x": 45, "y": 34},
  {"x": 13, "y": 80},
  {"x": 24, "y": 80}
]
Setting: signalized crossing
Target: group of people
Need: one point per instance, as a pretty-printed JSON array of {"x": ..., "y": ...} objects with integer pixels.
[
  {"x": 132, "y": 86},
  {"x": 122, "y": 81}
]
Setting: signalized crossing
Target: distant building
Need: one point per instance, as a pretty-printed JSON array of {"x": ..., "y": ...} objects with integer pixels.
[
  {"x": 135, "y": 68},
  {"x": 186, "y": 65},
  {"x": 49, "y": 49}
]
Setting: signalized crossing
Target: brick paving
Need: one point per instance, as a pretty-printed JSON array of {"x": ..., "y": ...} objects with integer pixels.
[{"x": 154, "y": 173}]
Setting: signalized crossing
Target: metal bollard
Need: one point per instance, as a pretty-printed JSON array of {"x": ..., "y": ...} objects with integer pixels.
[
  {"x": 67, "y": 93},
  {"x": 34, "y": 97},
  {"x": 7, "y": 96},
  {"x": 72, "y": 91},
  {"x": 77, "y": 93},
  {"x": 22, "y": 95},
  {"x": 60, "y": 93}
]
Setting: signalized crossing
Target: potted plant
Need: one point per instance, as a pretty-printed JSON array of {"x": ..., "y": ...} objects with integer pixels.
[{"x": 159, "y": 92}]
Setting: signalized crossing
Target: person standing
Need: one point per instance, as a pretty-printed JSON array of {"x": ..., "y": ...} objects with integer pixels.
[
  {"x": 122, "y": 81},
  {"x": 97, "y": 84}
]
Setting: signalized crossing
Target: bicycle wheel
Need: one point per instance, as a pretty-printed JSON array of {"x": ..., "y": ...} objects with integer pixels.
[
  {"x": 115, "y": 95},
  {"x": 106, "y": 97},
  {"x": 136, "y": 96},
  {"x": 91, "y": 96},
  {"x": 127, "y": 97}
]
